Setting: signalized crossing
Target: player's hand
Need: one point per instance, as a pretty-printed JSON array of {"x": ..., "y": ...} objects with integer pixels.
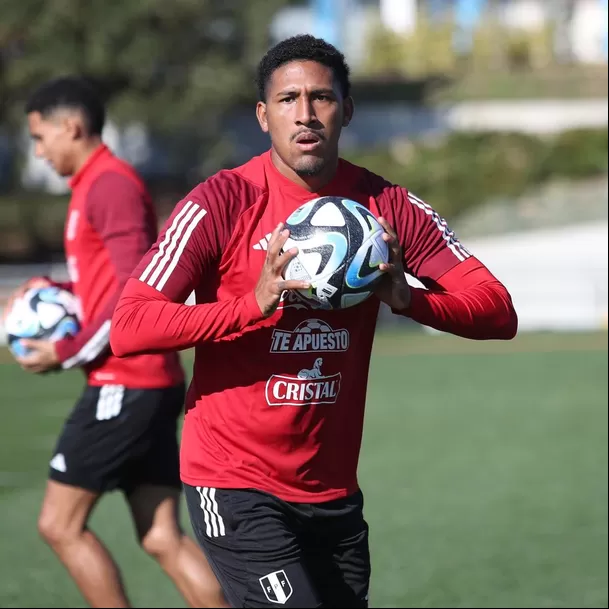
[
  {"x": 393, "y": 289},
  {"x": 271, "y": 283},
  {"x": 34, "y": 282},
  {"x": 42, "y": 357}
]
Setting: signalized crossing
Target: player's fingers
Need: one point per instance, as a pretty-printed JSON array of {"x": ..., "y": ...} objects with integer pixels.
[
  {"x": 30, "y": 343},
  {"x": 389, "y": 268},
  {"x": 394, "y": 246},
  {"x": 390, "y": 237},
  {"x": 36, "y": 282},
  {"x": 16, "y": 295},
  {"x": 277, "y": 241},
  {"x": 292, "y": 284},
  {"x": 28, "y": 362},
  {"x": 282, "y": 261},
  {"x": 388, "y": 228},
  {"x": 273, "y": 240}
]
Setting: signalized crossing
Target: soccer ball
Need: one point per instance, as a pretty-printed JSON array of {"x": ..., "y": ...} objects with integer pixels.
[
  {"x": 340, "y": 248},
  {"x": 47, "y": 313}
]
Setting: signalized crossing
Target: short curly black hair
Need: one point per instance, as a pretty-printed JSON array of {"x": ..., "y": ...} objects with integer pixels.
[
  {"x": 72, "y": 92},
  {"x": 302, "y": 48}
]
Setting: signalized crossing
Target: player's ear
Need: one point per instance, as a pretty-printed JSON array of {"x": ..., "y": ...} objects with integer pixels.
[
  {"x": 261, "y": 116},
  {"x": 348, "y": 109},
  {"x": 74, "y": 126}
]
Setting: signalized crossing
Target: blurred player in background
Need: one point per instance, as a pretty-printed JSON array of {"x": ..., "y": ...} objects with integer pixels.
[
  {"x": 273, "y": 426},
  {"x": 122, "y": 432}
]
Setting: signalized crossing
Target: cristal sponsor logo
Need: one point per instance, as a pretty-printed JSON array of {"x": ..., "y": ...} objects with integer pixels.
[
  {"x": 308, "y": 388},
  {"x": 311, "y": 335}
]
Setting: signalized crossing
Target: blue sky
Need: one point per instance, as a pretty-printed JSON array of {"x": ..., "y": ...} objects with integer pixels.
[{"x": 468, "y": 10}]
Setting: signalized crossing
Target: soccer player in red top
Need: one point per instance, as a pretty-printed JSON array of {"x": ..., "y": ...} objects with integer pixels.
[
  {"x": 274, "y": 418},
  {"x": 122, "y": 433}
]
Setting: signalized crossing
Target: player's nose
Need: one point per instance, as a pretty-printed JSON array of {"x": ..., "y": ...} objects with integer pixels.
[{"x": 305, "y": 111}]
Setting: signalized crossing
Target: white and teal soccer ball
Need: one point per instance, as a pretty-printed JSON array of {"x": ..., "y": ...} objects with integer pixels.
[
  {"x": 46, "y": 313},
  {"x": 340, "y": 248}
]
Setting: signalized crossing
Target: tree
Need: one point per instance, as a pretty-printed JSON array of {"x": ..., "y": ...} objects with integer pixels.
[{"x": 178, "y": 66}]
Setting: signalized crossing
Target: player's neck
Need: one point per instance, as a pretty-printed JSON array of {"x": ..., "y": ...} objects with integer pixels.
[
  {"x": 313, "y": 183},
  {"x": 85, "y": 150}
]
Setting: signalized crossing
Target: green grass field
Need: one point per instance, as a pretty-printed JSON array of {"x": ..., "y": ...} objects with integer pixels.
[{"x": 484, "y": 469}]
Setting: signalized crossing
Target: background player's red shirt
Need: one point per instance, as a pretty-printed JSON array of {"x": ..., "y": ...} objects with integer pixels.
[
  {"x": 111, "y": 224},
  {"x": 278, "y": 404}
]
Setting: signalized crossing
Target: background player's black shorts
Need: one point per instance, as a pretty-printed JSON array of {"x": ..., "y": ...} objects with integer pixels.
[
  {"x": 267, "y": 552},
  {"x": 120, "y": 438}
]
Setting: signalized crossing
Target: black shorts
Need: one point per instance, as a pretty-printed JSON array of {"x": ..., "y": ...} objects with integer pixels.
[
  {"x": 120, "y": 438},
  {"x": 268, "y": 552}
]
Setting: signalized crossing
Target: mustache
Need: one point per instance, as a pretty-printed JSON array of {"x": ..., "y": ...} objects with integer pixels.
[{"x": 318, "y": 134}]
